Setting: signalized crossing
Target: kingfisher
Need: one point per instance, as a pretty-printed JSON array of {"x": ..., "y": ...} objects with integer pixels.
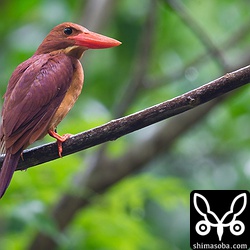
[{"x": 42, "y": 90}]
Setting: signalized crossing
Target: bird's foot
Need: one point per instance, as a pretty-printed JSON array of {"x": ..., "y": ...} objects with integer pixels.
[
  {"x": 21, "y": 155},
  {"x": 60, "y": 139}
]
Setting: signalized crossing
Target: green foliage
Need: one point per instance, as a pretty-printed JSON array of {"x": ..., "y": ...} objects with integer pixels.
[{"x": 125, "y": 210}]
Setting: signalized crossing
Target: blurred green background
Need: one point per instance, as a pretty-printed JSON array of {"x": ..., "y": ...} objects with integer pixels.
[{"x": 169, "y": 47}]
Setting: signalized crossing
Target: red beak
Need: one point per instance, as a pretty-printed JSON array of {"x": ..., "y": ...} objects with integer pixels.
[{"x": 92, "y": 40}]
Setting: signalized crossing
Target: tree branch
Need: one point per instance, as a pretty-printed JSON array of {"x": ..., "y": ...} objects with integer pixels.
[
  {"x": 190, "y": 22},
  {"x": 120, "y": 127}
]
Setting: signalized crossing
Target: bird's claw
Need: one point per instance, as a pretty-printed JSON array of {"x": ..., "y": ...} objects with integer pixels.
[{"x": 60, "y": 139}]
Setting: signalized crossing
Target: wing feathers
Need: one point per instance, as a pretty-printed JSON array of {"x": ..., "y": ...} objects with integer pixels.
[{"x": 35, "y": 91}]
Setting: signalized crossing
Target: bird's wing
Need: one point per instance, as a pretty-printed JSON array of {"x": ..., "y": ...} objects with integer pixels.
[{"x": 35, "y": 91}]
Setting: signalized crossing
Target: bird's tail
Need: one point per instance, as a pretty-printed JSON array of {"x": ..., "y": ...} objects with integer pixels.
[{"x": 9, "y": 166}]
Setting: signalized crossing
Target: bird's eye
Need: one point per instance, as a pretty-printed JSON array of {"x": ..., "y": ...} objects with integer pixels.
[{"x": 68, "y": 31}]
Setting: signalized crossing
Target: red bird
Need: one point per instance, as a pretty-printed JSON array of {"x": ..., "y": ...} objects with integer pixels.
[{"x": 42, "y": 90}]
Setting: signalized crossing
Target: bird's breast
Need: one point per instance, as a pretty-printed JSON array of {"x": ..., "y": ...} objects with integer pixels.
[{"x": 71, "y": 96}]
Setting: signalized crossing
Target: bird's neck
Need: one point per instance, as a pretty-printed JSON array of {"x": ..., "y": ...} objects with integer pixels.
[{"x": 73, "y": 50}]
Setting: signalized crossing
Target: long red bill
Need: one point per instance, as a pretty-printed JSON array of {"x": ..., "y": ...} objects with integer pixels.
[{"x": 92, "y": 40}]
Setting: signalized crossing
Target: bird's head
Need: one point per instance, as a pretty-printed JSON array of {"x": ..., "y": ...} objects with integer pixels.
[{"x": 73, "y": 39}]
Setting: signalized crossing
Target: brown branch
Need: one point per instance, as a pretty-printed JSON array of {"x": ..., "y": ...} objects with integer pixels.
[
  {"x": 98, "y": 178},
  {"x": 120, "y": 127}
]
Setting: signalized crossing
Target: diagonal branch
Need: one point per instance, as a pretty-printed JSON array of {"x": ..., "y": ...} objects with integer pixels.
[
  {"x": 98, "y": 178},
  {"x": 190, "y": 22},
  {"x": 120, "y": 127}
]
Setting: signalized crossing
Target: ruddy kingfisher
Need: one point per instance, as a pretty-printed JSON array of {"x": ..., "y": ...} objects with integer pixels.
[{"x": 42, "y": 90}]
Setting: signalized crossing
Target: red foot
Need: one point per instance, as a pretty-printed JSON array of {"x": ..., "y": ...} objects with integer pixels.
[{"x": 60, "y": 139}]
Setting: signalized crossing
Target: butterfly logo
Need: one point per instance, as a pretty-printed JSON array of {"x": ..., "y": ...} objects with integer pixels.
[{"x": 210, "y": 219}]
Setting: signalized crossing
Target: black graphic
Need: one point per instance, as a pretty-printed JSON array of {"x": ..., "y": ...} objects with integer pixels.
[{"x": 220, "y": 219}]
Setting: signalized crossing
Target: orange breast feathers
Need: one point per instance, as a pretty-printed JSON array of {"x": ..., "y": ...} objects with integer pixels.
[{"x": 70, "y": 98}]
